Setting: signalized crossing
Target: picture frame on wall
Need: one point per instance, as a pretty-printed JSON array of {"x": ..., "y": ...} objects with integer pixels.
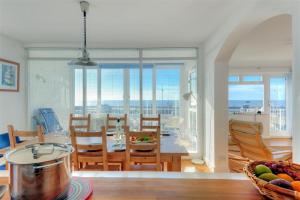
[{"x": 9, "y": 75}]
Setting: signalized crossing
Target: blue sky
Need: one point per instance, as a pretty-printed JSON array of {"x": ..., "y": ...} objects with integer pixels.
[{"x": 256, "y": 92}]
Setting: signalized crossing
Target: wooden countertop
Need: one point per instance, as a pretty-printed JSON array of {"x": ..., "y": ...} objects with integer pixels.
[{"x": 172, "y": 185}]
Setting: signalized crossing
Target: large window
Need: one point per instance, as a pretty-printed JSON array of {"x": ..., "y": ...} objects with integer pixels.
[
  {"x": 115, "y": 88},
  {"x": 267, "y": 93},
  {"x": 247, "y": 95}
]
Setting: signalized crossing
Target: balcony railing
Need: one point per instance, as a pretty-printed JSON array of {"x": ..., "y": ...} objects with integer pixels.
[{"x": 278, "y": 119}]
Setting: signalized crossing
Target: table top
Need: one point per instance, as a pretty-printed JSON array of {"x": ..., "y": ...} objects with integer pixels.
[
  {"x": 162, "y": 185},
  {"x": 172, "y": 144},
  {"x": 152, "y": 189}
]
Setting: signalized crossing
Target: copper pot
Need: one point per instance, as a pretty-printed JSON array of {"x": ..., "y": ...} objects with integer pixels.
[{"x": 40, "y": 171}]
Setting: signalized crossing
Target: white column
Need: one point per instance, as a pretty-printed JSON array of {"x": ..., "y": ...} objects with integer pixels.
[
  {"x": 221, "y": 116},
  {"x": 296, "y": 83}
]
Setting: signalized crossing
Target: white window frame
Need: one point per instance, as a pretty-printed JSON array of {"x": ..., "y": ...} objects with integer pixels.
[
  {"x": 266, "y": 109},
  {"x": 126, "y": 87}
]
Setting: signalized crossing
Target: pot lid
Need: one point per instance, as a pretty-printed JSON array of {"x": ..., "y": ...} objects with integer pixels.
[{"x": 38, "y": 153}]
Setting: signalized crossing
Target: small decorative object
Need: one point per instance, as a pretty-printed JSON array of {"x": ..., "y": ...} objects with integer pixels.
[{"x": 9, "y": 75}]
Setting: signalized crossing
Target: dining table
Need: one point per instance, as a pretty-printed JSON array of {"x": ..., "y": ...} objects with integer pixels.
[{"x": 173, "y": 147}]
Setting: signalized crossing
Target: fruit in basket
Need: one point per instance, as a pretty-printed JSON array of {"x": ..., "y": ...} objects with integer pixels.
[
  {"x": 261, "y": 169},
  {"x": 282, "y": 183},
  {"x": 268, "y": 176},
  {"x": 296, "y": 185},
  {"x": 285, "y": 177}
]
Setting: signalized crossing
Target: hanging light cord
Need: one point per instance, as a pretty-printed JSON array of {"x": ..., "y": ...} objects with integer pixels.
[{"x": 84, "y": 30}]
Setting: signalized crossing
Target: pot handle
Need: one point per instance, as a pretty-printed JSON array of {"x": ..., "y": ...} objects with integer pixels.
[{"x": 47, "y": 166}]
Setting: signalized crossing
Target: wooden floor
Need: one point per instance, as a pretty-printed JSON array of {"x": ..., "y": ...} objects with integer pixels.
[{"x": 188, "y": 166}]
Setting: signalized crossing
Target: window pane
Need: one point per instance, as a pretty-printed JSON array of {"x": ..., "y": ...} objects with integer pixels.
[
  {"x": 278, "y": 104},
  {"x": 167, "y": 91},
  {"x": 246, "y": 98},
  {"x": 193, "y": 88},
  {"x": 91, "y": 90},
  {"x": 147, "y": 91},
  {"x": 252, "y": 78},
  {"x": 134, "y": 103},
  {"x": 78, "y": 99},
  {"x": 112, "y": 82},
  {"x": 233, "y": 78}
]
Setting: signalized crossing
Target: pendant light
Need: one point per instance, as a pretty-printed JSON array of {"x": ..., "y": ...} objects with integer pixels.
[{"x": 84, "y": 60}]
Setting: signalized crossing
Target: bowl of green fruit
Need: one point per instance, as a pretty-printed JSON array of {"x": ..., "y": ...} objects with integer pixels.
[{"x": 276, "y": 180}]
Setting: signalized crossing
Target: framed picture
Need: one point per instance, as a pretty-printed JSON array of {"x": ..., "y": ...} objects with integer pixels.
[{"x": 9, "y": 75}]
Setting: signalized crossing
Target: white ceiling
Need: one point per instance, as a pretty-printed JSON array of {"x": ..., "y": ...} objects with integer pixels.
[
  {"x": 269, "y": 45},
  {"x": 114, "y": 23}
]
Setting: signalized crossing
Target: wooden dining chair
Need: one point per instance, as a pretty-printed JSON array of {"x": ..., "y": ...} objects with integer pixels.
[
  {"x": 89, "y": 156},
  {"x": 80, "y": 122},
  {"x": 111, "y": 121},
  {"x": 248, "y": 137},
  {"x": 24, "y": 135},
  {"x": 146, "y": 154},
  {"x": 149, "y": 123}
]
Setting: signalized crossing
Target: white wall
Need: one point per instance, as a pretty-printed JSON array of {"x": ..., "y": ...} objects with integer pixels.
[
  {"x": 13, "y": 104},
  {"x": 49, "y": 83}
]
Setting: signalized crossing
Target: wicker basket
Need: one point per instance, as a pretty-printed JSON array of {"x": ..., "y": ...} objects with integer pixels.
[{"x": 269, "y": 190}]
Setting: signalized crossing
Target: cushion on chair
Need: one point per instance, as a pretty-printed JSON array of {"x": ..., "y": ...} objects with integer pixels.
[{"x": 4, "y": 143}]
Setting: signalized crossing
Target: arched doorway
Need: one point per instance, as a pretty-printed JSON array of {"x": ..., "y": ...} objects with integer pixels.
[{"x": 216, "y": 91}]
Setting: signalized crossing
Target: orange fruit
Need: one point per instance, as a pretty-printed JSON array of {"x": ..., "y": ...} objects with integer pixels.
[
  {"x": 296, "y": 185},
  {"x": 285, "y": 177}
]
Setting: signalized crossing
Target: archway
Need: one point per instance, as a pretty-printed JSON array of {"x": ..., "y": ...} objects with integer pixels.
[{"x": 216, "y": 109}]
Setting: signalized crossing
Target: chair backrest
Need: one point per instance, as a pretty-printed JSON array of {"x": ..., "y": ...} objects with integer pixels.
[
  {"x": 149, "y": 122},
  {"x": 80, "y": 122},
  {"x": 247, "y": 135},
  {"x": 15, "y": 134},
  {"x": 142, "y": 152},
  {"x": 85, "y": 153},
  {"x": 48, "y": 119},
  {"x": 4, "y": 143},
  {"x": 111, "y": 121}
]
